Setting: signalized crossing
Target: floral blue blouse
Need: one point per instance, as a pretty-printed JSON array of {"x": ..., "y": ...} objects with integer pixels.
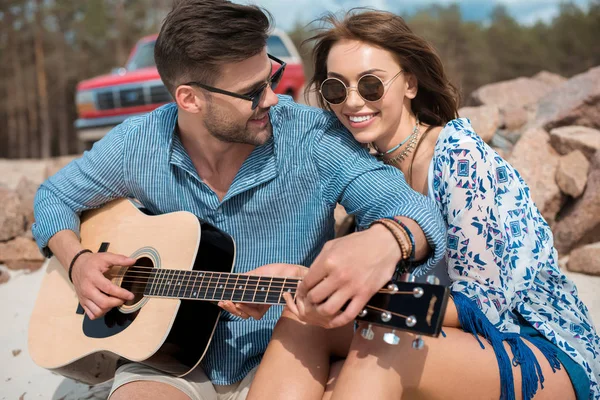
[{"x": 500, "y": 252}]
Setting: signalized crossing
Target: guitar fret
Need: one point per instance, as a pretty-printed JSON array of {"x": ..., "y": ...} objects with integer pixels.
[
  {"x": 165, "y": 283},
  {"x": 235, "y": 287},
  {"x": 201, "y": 291},
  {"x": 229, "y": 287},
  {"x": 176, "y": 292},
  {"x": 193, "y": 288},
  {"x": 289, "y": 287},
  {"x": 260, "y": 293},
  {"x": 149, "y": 290},
  {"x": 186, "y": 284},
  {"x": 245, "y": 286},
  {"x": 220, "y": 286},
  {"x": 208, "y": 285},
  {"x": 249, "y": 289},
  {"x": 275, "y": 289}
]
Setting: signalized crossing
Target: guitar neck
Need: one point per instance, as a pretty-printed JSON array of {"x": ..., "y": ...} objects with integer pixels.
[{"x": 217, "y": 286}]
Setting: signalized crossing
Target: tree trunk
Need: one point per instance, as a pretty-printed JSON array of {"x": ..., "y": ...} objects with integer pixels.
[
  {"x": 11, "y": 106},
  {"x": 32, "y": 105},
  {"x": 46, "y": 140},
  {"x": 19, "y": 99},
  {"x": 62, "y": 102},
  {"x": 120, "y": 22}
]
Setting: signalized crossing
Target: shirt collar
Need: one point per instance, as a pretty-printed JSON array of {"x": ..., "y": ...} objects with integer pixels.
[{"x": 260, "y": 166}]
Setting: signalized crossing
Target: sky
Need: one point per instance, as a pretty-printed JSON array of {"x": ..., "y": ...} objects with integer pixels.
[{"x": 288, "y": 12}]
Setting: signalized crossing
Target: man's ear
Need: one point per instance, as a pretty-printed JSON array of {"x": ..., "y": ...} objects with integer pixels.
[
  {"x": 186, "y": 99},
  {"x": 412, "y": 86}
]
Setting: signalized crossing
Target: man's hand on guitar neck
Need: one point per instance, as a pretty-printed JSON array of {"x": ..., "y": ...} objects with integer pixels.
[
  {"x": 96, "y": 293},
  {"x": 257, "y": 311}
]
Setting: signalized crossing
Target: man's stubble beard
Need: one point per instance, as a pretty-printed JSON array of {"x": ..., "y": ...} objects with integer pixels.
[{"x": 222, "y": 128}]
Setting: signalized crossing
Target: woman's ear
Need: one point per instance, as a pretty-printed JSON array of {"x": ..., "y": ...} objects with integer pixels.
[
  {"x": 186, "y": 99},
  {"x": 412, "y": 86}
]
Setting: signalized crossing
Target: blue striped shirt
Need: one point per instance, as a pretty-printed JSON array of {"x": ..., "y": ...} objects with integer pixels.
[{"x": 279, "y": 207}]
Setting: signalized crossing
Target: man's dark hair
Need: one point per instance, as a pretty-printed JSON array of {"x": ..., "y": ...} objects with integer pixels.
[{"x": 200, "y": 35}]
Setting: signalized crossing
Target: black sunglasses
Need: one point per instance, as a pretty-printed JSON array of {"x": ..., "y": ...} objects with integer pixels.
[
  {"x": 369, "y": 87},
  {"x": 256, "y": 95}
]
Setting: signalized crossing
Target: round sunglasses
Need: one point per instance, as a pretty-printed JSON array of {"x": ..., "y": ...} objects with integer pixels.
[
  {"x": 256, "y": 95},
  {"x": 369, "y": 87}
]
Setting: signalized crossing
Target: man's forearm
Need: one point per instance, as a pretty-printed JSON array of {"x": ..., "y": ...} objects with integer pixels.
[{"x": 64, "y": 245}]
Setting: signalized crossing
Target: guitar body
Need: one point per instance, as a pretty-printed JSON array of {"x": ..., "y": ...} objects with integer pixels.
[{"x": 165, "y": 333}]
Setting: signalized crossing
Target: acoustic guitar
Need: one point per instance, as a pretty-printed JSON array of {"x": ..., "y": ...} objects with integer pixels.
[{"x": 180, "y": 260}]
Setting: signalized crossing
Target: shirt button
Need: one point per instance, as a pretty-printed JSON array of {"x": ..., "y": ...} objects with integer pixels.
[{"x": 219, "y": 211}]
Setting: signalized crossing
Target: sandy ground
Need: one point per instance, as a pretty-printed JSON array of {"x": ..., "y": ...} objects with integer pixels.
[{"x": 20, "y": 378}]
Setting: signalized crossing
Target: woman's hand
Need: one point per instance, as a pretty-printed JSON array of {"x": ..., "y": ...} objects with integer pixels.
[{"x": 257, "y": 311}]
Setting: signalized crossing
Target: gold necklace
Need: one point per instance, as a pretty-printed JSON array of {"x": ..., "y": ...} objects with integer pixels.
[{"x": 397, "y": 160}]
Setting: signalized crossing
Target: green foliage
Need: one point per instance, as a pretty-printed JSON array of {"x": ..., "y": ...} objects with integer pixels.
[
  {"x": 478, "y": 53},
  {"x": 83, "y": 39}
]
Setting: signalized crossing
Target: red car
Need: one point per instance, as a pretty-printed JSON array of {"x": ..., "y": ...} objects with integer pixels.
[{"x": 106, "y": 101}]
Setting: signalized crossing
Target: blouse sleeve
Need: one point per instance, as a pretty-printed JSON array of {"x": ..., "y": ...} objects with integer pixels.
[{"x": 491, "y": 253}]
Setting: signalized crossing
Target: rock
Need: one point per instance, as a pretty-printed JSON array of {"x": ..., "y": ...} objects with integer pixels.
[
  {"x": 484, "y": 119},
  {"x": 512, "y": 93},
  {"x": 513, "y": 117},
  {"x": 585, "y": 259},
  {"x": 499, "y": 141},
  {"x": 549, "y": 78},
  {"x": 20, "y": 249},
  {"x": 56, "y": 164},
  {"x": 11, "y": 171},
  {"x": 572, "y": 172},
  {"x": 576, "y": 102},
  {"x": 343, "y": 221},
  {"x": 580, "y": 224},
  {"x": 536, "y": 161},
  {"x": 569, "y": 138},
  {"x": 26, "y": 191},
  {"x": 12, "y": 221},
  {"x": 4, "y": 276},
  {"x": 17, "y": 265}
]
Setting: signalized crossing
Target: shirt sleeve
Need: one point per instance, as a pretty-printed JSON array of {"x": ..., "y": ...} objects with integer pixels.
[
  {"x": 87, "y": 182},
  {"x": 475, "y": 188},
  {"x": 370, "y": 190}
]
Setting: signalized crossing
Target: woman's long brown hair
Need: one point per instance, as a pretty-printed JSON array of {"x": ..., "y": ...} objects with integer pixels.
[{"x": 437, "y": 99}]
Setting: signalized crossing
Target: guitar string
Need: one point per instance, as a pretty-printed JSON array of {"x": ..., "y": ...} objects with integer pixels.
[
  {"x": 233, "y": 285},
  {"x": 186, "y": 276},
  {"x": 216, "y": 283},
  {"x": 281, "y": 301},
  {"x": 278, "y": 291},
  {"x": 391, "y": 312},
  {"x": 221, "y": 275},
  {"x": 228, "y": 285}
]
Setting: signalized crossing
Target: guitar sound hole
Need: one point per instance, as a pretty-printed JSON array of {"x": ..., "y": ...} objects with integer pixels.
[{"x": 136, "y": 279}]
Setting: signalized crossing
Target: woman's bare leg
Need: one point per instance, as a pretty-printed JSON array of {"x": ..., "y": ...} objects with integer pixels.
[
  {"x": 296, "y": 363},
  {"x": 454, "y": 367},
  {"x": 334, "y": 372}
]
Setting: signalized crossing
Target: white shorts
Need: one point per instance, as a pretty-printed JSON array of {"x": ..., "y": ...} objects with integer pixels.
[{"x": 195, "y": 384}]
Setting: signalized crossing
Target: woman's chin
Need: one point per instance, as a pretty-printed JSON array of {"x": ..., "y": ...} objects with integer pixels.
[{"x": 364, "y": 136}]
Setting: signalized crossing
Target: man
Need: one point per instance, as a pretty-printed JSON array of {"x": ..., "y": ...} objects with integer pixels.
[{"x": 265, "y": 170}]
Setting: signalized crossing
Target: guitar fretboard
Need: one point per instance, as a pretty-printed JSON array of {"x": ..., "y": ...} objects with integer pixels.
[{"x": 216, "y": 286}]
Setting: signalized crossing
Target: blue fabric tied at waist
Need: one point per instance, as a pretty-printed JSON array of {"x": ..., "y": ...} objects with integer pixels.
[{"x": 473, "y": 320}]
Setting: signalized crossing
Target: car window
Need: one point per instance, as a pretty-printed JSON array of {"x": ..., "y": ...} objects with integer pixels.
[
  {"x": 276, "y": 47},
  {"x": 143, "y": 57}
]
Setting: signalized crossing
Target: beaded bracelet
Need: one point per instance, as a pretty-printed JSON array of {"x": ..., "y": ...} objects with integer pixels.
[
  {"x": 410, "y": 236},
  {"x": 394, "y": 230},
  {"x": 75, "y": 259}
]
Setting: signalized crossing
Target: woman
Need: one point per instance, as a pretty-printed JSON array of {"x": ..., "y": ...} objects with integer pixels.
[{"x": 515, "y": 324}]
